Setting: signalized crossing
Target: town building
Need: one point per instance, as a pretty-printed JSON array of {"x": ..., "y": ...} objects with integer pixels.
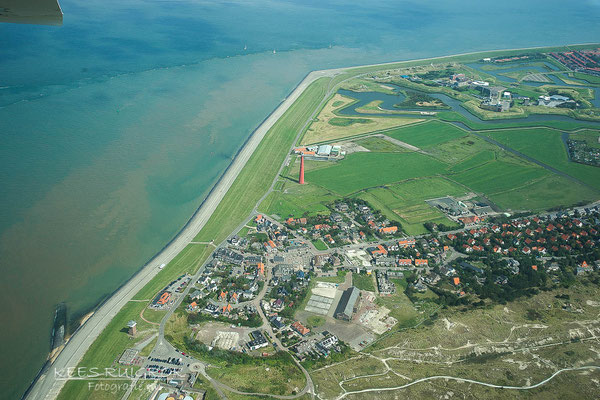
[{"x": 347, "y": 304}]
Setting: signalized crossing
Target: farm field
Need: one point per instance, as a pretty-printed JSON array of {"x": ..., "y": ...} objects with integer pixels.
[
  {"x": 548, "y": 192},
  {"x": 297, "y": 200},
  {"x": 364, "y": 170},
  {"x": 546, "y": 146},
  {"x": 562, "y": 125},
  {"x": 457, "y": 163},
  {"x": 405, "y": 202},
  {"x": 483, "y": 157},
  {"x": 427, "y": 134},
  {"x": 379, "y": 145},
  {"x": 328, "y": 126},
  {"x": 459, "y": 150},
  {"x": 497, "y": 176}
]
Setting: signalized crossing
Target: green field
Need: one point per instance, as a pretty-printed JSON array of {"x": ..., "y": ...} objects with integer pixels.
[
  {"x": 427, "y": 134},
  {"x": 365, "y": 170},
  {"x": 480, "y": 158},
  {"x": 459, "y": 150},
  {"x": 591, "y": 137},
  {"x": 497, "y": 176},
  {"x": 549, "y": 192},
  {"x": 314, "y": 321},
  {"x": 339, "y": 278},
  {"x": 379, "y": 145},
  {"x": 297, "y": 200},
  {"x": 400, "y": 305},
  {"x": 364, "y": 282},
  {"x": 338, "y": 121},
  {"x": 563, "y": 125},
  {"x": 405, "y": 202},
  {"x": 319, "y": 245},
  {"x": 546, "y": 145},
  {"x": 595, "y": 80}
]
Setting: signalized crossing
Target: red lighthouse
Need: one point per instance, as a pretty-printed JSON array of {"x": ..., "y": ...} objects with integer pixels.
[{"x": 301, "y": 180}]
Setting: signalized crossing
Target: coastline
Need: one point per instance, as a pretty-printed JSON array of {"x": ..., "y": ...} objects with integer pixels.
[{"x": 45, "y": 385}]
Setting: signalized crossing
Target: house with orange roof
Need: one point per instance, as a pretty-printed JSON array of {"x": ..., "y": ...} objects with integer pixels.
[
  {"x": 321, "y": 226},
  {"x": 164, "y": 298},
  {"x": 470, "y": 220},
  {"x": 406, "y": 243},
  {"x": 234, "y": 298},
  {"x": 260, "y": 268},
  {"x": 377, "y": 251},
  {"x": 301, "y": 329},
  {"x": 388, "y": 230},
  {"x": 456, "y": 281},
  {"x": 226, "y": 309},
  {"x": 420, "y": 261},
  {"x": 259, "y": 219},
  {"x": 223, "y": 296},
  {"x": 405, "y": 261}
]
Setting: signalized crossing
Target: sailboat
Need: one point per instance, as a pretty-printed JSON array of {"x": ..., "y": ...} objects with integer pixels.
[
  {"x": 245, "y": 47},
  {"x": 274, "y": 51}
]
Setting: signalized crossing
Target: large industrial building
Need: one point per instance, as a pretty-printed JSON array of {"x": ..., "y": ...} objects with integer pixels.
[{"x": 347, "y": 304}]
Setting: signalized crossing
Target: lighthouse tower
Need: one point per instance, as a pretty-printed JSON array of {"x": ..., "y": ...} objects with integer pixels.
[{"x": 301, "y": 180}]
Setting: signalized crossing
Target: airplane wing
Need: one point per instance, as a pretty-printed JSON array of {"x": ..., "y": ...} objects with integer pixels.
[{"x": 39, "y": 12}]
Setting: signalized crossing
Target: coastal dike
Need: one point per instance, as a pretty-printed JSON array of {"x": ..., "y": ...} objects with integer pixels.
[{"x": 47, "y": 386}]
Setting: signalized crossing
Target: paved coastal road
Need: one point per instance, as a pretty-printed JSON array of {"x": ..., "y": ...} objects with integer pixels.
[{"x": 48, "y": 386}]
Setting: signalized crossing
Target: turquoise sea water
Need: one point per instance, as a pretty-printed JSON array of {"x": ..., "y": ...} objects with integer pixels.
[{"x": 114, "y": 126}]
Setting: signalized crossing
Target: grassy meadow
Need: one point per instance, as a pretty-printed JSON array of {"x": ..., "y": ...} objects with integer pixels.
[{"x": 360, "y": 171}]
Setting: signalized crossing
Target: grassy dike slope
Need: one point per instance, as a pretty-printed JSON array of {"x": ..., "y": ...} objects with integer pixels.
[{"x": 252, "y": 182}]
